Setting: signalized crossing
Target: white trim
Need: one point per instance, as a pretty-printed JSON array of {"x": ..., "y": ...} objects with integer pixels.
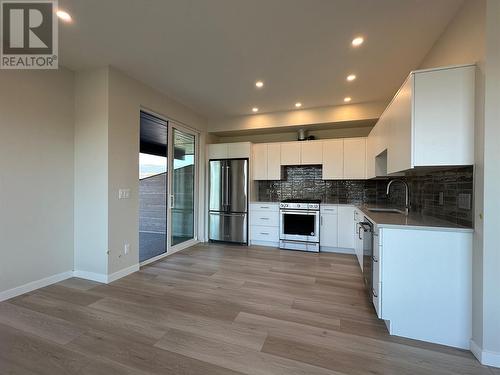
[
  {"x": 185, "y": 245},
  {"x": 122, "y": 273},
  {"x": 338, "y": 250},
  {"x": 265, "y": 243},
  {"x": 17, "y": 291},
  {"x": 486, "y": 357},
  {"x": 99, "y": 277}
]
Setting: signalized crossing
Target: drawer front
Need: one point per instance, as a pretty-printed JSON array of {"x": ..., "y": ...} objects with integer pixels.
[
  {"x": 329, "y": 210},
  {"x": 271, "y": 207},
  {"x": 263, "y": 233},
  {"x": 265, "y": 218}
]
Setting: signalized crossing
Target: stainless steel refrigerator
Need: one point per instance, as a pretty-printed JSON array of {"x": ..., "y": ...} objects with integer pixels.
[{"x": 228, "y": 200}]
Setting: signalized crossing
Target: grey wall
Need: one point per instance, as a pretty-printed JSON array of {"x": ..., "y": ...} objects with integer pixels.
[
  {"x": 127, "y": 97},
  {"x": 36, "y": 175},
  {"x": 334, "y": 132},
  {"x": 91, "y": 171}
]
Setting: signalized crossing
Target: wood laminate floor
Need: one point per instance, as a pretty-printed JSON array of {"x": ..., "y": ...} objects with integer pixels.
[{"x": 215, "y": 309}]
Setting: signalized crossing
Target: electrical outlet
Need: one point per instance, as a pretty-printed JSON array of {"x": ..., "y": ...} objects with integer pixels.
[{"x": 126, "y": 248}]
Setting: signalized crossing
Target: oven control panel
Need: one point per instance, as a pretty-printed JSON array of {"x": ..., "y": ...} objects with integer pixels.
[{"x": 300, "y": 206}]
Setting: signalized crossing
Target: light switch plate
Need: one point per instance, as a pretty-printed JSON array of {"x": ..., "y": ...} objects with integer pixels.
[
  {"x": 126, "y": 248},
  {"x": 123, "y": 193}
]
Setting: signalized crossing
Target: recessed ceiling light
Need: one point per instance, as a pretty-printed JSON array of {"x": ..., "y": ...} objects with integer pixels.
[
  {"x": 298, "y": 104},
  {"x": 347, "y": 99},
  {"x": 356, "y": 42},
  {"x": 64, "y": 16},
  {"x": 255, "y": 109},
  {"x": 351, "y": 77},
  {"x": 259, "y": 84}
]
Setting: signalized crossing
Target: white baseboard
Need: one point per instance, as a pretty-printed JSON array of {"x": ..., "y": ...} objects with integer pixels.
[
  {"x": 37, "y": 284},
  {"x": 122, "y": 273},
  {"x": 103, "y": 278},
  {"x": 486, "y": 357},
  {"x": 265, "y": 243},
  {"x": 339, "y": 250},
  {"x": 93, "y": 276}
]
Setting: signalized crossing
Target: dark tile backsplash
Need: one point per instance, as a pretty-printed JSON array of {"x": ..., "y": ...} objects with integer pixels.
[{"x": 434, "y": 193}]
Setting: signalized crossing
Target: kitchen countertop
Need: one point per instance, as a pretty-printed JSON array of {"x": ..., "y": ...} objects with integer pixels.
[{"x": 412, "y": 221}]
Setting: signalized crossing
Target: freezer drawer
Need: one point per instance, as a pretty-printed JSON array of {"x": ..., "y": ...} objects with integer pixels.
[{"x": 228, "y": 227}]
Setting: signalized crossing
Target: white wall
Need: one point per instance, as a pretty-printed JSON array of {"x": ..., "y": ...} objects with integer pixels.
[
  {"x": 91, "y": 172},
  {"x": 126, "y": 97},
  {"x": 107, "y": 150},
  {"x": 462, "y": 40},
  {"x": 36, "y": 175},
  {"x": 474, "y": 36},
  {"x": 334, "y": 132},
  {"x": 491, "y": 246},
  {"x": 322, "y": 115}
]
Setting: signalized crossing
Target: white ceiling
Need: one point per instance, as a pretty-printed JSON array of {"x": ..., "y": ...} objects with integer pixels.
[{"x": 207, "y": 54}]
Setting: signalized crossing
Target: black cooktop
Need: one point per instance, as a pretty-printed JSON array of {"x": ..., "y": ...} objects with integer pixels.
[{"x": 301, "y": 201}]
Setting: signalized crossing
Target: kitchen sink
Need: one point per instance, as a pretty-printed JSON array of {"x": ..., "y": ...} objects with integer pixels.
[{"x": 387, "y": 210}]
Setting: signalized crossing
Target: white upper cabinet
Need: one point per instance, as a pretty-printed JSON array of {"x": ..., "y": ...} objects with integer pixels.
[
  {"x": 355, "y": 158},
  {"x": 290, "y": 153},
  {"x": 236, "y": 150},
  {"x": 333, "y": 159},
  {"x": 430, "y": 122},
  {"x": 397, "y": 130},
  {"x": 239, "y": 150},
  {"x": 217, "y": 151},
  {"x": 311, "y": 152},
  {"x": 443, "y": 117},
  {"x": 259, "y": 161},
  {"x": 273, "y": 161},
  {"x": 340, "y": 158},
  {"x": 266, "y": 161}
]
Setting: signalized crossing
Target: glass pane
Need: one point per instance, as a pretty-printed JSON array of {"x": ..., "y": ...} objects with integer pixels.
[
  {"x": 152, "y": 188},
  {"x": 183, "y": 183},
  {"x": 299, "y": 224}
]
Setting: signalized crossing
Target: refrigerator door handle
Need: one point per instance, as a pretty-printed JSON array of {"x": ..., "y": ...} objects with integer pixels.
[{"x": 226, "y": 192}]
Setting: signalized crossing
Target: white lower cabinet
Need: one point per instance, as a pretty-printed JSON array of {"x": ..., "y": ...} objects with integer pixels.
[
  {"x": 377, "y": 271},
  {"x": 264, "y": 224},
  {"x": 264, "y": 233},
  {"x": 422, "y": 284},
  {"x": 346, "y": 227},
  {"x": 328, "y": 233}
]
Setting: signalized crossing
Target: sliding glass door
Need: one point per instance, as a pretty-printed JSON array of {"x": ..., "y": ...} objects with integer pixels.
[
  {"x": 153, "y": 183},
  {"x": 183, "y": 186},
  {"x": 167, "y": 187}
]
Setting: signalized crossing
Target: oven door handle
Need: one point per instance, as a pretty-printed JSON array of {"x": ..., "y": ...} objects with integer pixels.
[{"x": 298, "y": 212}]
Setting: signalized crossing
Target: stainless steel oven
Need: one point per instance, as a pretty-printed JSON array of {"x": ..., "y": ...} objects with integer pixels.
[{"x": 299, "y": 225}]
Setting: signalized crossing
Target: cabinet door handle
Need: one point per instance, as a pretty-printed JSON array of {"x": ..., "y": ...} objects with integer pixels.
[
  {"x": 264, "y": 218},
  {"x": 374, "y": 294},
  {"x": 264, "y": 233},
  {"x": 375, "y": 260}
]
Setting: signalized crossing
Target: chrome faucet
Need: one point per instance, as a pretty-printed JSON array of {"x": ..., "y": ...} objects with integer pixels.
[{"x": 407, "y": 194}]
